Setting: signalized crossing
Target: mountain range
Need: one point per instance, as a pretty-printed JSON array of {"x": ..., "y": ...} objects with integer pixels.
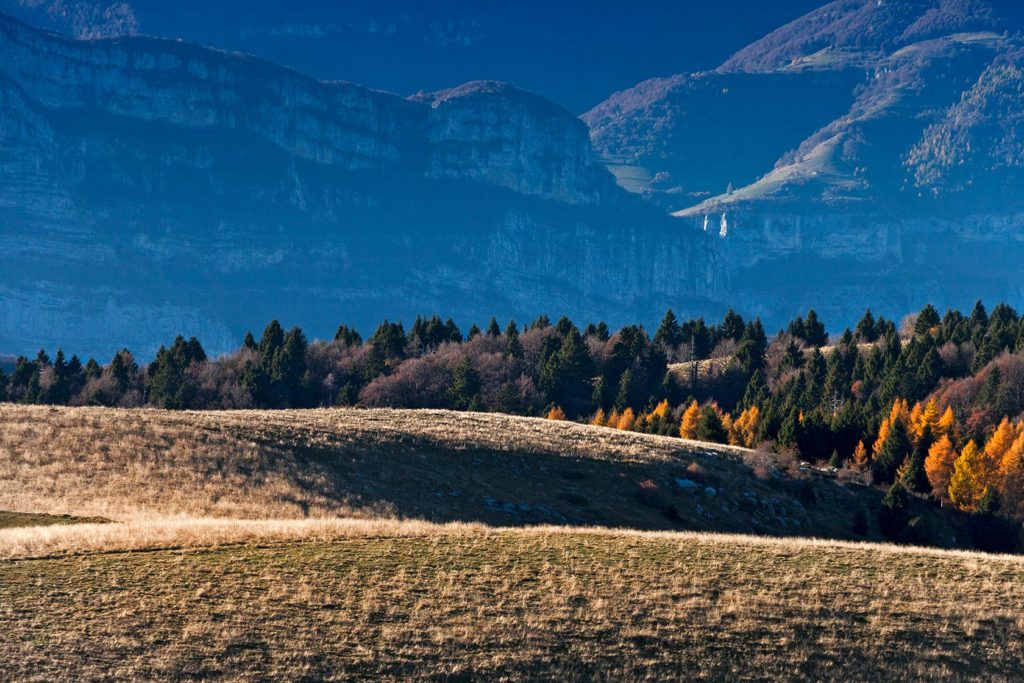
[{"x": 867, "y": 153}]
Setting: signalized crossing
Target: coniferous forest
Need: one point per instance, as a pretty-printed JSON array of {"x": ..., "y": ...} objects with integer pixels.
[{"x": 931, "y": 406}]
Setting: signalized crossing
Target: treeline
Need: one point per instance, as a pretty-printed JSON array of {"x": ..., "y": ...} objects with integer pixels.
[{"x": 854, "y": 399}]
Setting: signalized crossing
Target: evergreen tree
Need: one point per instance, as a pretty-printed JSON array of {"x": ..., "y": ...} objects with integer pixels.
[
  {"x": 348, "y": 336},
  {"x": 474, "y": 332},
  {"x": 927, "y": 320},
  {"x": 273, "y": 338},
  {"x": 710, "y": 427},
  {"x": 92, "y": 370},
  {"x": 732, "y": 326},
  {"x": 466, "y": 385},
  {"x": 564, "y": 326},
  {"x": 894, "y": 451},
  {"x": 166, "y": 383},
  {"x": 914, "y": 477},
  {"x": 895, "y": 512},
  {"x": 701, "y": 340},
  {"x": 566, "y": 375},
  {"x": 626, "y": 392},
  {"x": 249, "y": 342},
  {"x": 669, "y": 334},
  {"x": 493, "y": 331},
  {"x": 756, "y": 393},
  {"x": 866, "y": 328},
  {"x": 513, "y": 346},
  {"x": 814, "y": 330}
]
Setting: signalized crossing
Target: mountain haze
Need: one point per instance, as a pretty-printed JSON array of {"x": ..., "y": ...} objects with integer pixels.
[
  {"x": 867, "y": 151},
  {"x": 153, "y": 188}
]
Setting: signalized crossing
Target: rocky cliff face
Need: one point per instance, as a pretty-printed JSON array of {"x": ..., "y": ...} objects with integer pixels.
[{"x": 150, "y": 188}]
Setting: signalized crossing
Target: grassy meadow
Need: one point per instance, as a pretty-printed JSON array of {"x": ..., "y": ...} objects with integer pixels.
[{"x": 404, "y": 545}]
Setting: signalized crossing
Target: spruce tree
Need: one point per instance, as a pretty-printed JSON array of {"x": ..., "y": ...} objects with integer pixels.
[
  {"x": 895, "y": 511},
  {"x": 894, "y": 451},
  {"x": 866, "y": 328},
  {"x": 927, "y": 320},
  {"x": 513, "y": 346},
  {"x": 914, "y": 477},
  {"x": 466, "y": 385},
  {"x": 710, "y": 427},
  {"x": 493, "y": 331},
  {"x": 669, "y": 333}
]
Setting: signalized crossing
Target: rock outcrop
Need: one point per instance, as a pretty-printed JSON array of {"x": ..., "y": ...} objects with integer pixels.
[{"x": 150, "y": 188}]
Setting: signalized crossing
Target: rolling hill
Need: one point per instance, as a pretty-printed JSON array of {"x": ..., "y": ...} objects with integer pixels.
[
  {"x": 425, "y": 544},
  {"x": 433, "y": 466}
]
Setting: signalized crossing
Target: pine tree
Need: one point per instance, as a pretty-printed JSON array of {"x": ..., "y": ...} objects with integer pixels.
[
  {"x": 565, "y": 376},
  {"x": 249, "y": 343},
  {"x": 756, "y": 393}
]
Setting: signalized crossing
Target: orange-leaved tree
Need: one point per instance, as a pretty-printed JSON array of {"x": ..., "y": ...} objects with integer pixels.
[
  {"x": 939, "y": 466},
  {"x": 688, "y": 425}
]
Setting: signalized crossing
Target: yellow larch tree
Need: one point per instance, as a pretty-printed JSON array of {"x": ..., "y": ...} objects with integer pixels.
[
  {"x": 1012, "y": 473},
  {"x": 997, "y": 448},
  {"x": 599, "y": 419},
  {"x": 661, "y": 410},
  {"x": 626, "y": 420},
  {"x": 688, "y": 425},
  {"x": 883, "y": 434},
  {"x": 947, "y": 423},
  {"x": 860, "y": 457},
  {"x": 914, "y": 423},
  {"x": 745, "y": 428},
  {"x": 967, "y": 485},
  {"x": 939, "y": 466},
  {"x": 556, "y": 413},
  {"x": 930, "y": 417}
]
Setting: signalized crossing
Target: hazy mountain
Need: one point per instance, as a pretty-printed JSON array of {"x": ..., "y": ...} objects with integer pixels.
[
  {"x": 571, "y": 53},
  {"x": 151, "y": 188},
  {"x": 854, "y": 102},
  {"x": 871, "y": 150}
]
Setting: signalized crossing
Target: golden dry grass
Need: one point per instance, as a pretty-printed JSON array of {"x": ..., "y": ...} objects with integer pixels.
[
  {"x": 455, "y": 602},
  {"x": 430, "y": 465},
  {"x": 234, "y": 553}
]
